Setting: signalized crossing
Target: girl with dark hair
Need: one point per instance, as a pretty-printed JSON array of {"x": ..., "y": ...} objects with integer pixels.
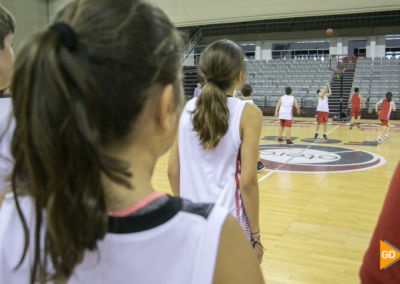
[
  {"x": 216, "y": 155},
  {"x": 97, "y": 98},
  {"x": 387, "y": 105}
]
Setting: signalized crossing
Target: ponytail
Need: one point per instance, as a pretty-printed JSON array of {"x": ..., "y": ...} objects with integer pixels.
[
  {"x": 74, "y": 95},
  {"x": 64, "y": 163},
  {"x": 211, "y": 115},
  {"x": 220, "y": 66}
]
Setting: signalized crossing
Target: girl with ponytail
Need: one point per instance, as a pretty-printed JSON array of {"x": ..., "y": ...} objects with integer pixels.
[
  {"x": 215, "y": 157},
  {"x": 97, "y": 98}
]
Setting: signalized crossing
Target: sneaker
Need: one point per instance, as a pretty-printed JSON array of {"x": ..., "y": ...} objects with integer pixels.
[
  {"x": 351, "y": 126},
  {"x": 260, "y": 166},
  {"x": 379, "y": 140},
  {"x": 288, "y": 142},
  {"x": 358, "y": 125},
  {"x": 280, "y": 139},
  {"x": 325, "y": 138},
  {"x": 316, "y": 136},
  {"x": 386, "y": 137}
]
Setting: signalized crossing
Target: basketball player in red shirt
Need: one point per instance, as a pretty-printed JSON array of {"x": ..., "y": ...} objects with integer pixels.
[
  {"x": 356, "y": 101},
  {"x": 384, "y": 115}
]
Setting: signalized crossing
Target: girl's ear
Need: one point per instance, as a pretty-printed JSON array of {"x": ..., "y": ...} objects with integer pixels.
[{"x": 165, "y": 109}]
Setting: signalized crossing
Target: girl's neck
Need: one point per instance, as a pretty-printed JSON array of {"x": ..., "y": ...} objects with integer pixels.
[{"x": 141, "y": 168}]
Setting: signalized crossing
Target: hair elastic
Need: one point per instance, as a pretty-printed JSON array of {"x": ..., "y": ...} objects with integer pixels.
[
  {"x": 212, "y": 80},
  {"x": 67, "y": 34}
]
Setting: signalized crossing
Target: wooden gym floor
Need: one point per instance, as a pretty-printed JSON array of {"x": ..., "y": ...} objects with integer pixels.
[{"x": 319, "y": 202}]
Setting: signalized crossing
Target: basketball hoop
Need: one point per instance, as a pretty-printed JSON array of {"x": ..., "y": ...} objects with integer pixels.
[{"x": 340, "y": 63}]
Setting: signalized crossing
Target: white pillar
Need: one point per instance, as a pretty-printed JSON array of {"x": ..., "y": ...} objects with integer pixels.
[
  {"x": 267, "y": 50},
  {"x": 345, "y": 46},
  {"x": 258, "y": 50},
  {"x": 380, "y": 48},
  {"x": 371, "y": 47},
  {"x": 333, "y": 46},
  {"x": 339, "y": 45}
]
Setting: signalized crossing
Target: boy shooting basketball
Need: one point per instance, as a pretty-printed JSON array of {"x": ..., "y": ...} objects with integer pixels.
[
  {"x": 285, "y": 107},
  {"x": 384, "y": 115},
  {"x": 356, "y": 101},
  {"x": 323, "y": 110}
]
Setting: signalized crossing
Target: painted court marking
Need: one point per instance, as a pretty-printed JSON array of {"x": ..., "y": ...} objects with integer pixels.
[{"x": 291, "y": 158}]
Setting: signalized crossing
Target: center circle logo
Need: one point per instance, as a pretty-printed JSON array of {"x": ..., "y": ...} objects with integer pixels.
[{"x": 311, "y": 158}]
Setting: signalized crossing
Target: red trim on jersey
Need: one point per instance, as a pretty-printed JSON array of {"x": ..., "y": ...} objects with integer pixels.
[
  {"x": 237, "y": 196},
  {"x": 137, "y": 205}
]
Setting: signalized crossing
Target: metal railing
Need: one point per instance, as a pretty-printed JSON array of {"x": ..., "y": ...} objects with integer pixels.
[{"x": 189, "y": 47}]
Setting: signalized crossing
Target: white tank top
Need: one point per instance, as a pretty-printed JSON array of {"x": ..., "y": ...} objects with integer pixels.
[
  {"x": 180, "y": 246},
  {"x": 286, "y": 107},
  {"x": 7, "y": 125},
  {"x": 323, "y": 104},
  {"x": 212, "y": 175}
]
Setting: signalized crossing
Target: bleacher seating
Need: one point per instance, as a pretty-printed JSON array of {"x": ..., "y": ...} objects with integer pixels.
[
  {"x": 376, "y": 77},
  {"x": 269, "y": 79},
  {"x": 305, "y": 76}
]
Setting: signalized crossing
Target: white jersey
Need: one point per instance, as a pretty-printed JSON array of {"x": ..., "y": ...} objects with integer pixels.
[
  {"x": 323, "y": 104},
  {"x": 177, "y": 242},
  {"x": 286, "y": 107},
  {"x": 212, "y": 175},
  {"x": 250, "y": 101},
  {"x": 7, "y": 125}
]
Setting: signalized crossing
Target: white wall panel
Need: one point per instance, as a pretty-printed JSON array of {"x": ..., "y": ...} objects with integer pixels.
[
  {"x": 31, "y": 16},
  {"x": 202, "y": 12}
]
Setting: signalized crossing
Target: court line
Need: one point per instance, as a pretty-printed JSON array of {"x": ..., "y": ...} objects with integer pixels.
[{"x": 308, "y": 147}]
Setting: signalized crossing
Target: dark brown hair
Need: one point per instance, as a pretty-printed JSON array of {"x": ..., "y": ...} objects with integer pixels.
[
  {"x": 70, "y": 103},
  {"x": 389, "y": 96},
  {"x": 247, "y": 90},
  {"x": 220, "y": 65},
  {"x": 288, "y": 90},
  {"x": 356, "y": 90},
  {"x": 7, "y": 24}
]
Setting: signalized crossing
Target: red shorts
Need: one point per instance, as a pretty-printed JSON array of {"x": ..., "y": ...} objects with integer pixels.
[
  {"x": 355, "y": 112},
  {"x": 322, "y": 116},
  {"x": 286, "y": 123},
  {"x": 384, "y": 122}
]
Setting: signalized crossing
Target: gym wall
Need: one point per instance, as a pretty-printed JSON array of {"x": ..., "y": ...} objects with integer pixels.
[
  {"x": 31, "y": 16},
  {"x": 195, "y": 12}
]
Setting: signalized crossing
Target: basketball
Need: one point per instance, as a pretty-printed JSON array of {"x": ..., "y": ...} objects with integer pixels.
[
  {"x": 329, "y": 32},
  {"x": 370, "y": 111}
]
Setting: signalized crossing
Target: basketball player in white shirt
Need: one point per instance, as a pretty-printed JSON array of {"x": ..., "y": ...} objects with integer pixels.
[
  {"x": 285, "y": 107},
  {"x": 216, "y": 154},
  {"x": 87, "y": 137},
  {"x": 323, "y": 110},
  {"x": 246, "y": 96},
  {"x": 246, "y": 93}
]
